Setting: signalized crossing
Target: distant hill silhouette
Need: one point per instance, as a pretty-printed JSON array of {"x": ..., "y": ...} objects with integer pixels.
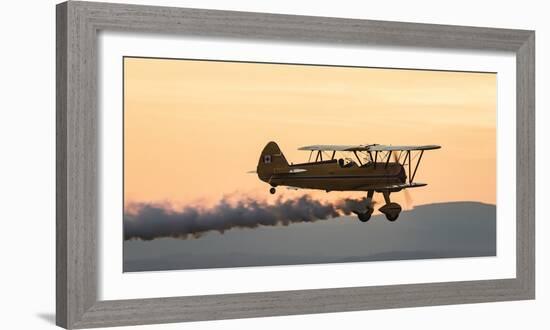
[{"x": 444, "y": 230}]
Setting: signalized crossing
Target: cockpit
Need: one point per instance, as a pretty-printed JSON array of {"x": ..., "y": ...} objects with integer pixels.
[{"x": 345, "y": 159}]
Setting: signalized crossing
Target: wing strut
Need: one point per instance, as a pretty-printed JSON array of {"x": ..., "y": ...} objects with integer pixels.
[
  {"x": 388, "y": 159},
  {"x": 358, "y": 159},
  {"x": 409, "y": 155},
  {"x": 416, "y": 167}
]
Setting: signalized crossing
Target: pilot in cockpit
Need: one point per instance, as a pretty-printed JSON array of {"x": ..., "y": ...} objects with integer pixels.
[{"x": 346, "y": 163}]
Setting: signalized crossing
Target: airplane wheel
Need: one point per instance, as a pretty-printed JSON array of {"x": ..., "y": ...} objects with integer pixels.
[
  {"x": 272, "y": 190},
  {"x": 392, "y": 217},
  {"x": 364, "y": 217},
  {"x": 391, "y": 211}
]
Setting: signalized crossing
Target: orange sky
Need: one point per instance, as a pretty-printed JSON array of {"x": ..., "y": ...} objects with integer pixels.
[{"x": 194, "y": 128}]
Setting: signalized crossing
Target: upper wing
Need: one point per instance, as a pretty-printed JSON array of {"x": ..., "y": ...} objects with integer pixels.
[
  {"x": 334, "y": 147},
  {"x": 366, "y": 147},
  {"x": 379, "y": 147}
]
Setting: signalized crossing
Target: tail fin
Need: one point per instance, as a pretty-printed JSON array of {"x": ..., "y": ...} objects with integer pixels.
[{"x": 271, "y": 159}]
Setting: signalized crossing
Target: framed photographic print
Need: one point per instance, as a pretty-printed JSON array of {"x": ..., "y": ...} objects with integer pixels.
[{"x": 217, "y": 164}]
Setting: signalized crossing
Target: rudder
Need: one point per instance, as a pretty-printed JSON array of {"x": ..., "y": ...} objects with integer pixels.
[{"x": 271, "y": 158}]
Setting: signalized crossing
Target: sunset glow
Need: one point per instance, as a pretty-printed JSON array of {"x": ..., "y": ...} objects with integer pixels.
[{"x": 192, "y": 129}]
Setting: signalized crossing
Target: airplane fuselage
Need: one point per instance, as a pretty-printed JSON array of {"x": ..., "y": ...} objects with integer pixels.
[{"x": 331, "y": 176}]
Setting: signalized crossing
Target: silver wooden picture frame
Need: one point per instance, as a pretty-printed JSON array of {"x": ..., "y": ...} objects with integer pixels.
[{"x": 77, "y": 189}]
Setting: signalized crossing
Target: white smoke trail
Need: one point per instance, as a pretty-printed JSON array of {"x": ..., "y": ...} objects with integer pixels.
[{"x": 150, "y": 221}]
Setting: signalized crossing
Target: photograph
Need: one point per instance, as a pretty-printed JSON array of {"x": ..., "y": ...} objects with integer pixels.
[{"x": 242, "y": 164}]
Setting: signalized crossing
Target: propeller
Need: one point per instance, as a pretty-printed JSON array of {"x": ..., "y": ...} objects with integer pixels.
[
  {"x": 408, "y": 199},
  {"x": 407, "y": 195}
]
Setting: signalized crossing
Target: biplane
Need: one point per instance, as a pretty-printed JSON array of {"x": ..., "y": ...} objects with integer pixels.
[{"x": 370, "y": 167}]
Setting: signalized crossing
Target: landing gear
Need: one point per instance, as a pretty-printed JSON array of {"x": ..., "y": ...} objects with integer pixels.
[
  {"x": 390, "y": 210},
  {"x": 365, "y": 216},
  {"x": 272, "y": 190}
]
